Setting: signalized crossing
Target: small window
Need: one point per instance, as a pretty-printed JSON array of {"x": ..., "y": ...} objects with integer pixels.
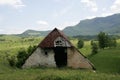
[
  {"x": 46, "y": 53},
  {"x": 59, "y": 42}
]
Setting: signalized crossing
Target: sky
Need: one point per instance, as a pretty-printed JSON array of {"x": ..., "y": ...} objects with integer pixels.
[{"x": 16, "y": 16}]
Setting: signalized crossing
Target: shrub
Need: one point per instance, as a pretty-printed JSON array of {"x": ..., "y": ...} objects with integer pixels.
[
  {"x": 103, "y": 40},
  {"x": 31, "y": 49},
  {"x": 2, "y": 39},
  {"x": 12, "y": 61},
  {"x": 112, "y": 42},
  {"x": 92, "y": 42},
  {"x": 94, "y": 48},
  {"x": 106, "y": 41},
  {"x": 21, "y": 57},
  {"x": 80, "y": 43}
]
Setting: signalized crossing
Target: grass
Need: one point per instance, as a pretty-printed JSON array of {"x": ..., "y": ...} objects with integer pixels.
[
  {"x": 55, "y": 74},
  {"x": 86, "y": 50},
  {"x": 12, "y": 45},
  {"x": 106, "y": 62}
]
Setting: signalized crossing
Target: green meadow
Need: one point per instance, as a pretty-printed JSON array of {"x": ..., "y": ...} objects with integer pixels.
[{"x": 106, "y": 62}]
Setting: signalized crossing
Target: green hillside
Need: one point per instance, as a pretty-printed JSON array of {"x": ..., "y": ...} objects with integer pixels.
[
  {"x": 109, "y": 24},
  {"x": 106, "y": 63},
  {"x": 28, "y": 33}
]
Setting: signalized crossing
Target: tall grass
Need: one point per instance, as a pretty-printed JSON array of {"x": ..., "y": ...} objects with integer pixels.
[
  {"x": 106, "y": 62},
  {"x": 56, "y": 74}
]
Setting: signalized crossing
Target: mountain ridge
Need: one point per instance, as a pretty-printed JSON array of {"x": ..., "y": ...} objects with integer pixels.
[{"x": 109, "y": 24}]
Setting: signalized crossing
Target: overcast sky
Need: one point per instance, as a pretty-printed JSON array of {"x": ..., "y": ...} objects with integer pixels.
[{"x": 17, "y": 16}]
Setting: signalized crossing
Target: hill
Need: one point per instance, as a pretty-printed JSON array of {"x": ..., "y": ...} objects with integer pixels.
[
  {"x": 33, "y": 33},
  {"x": 109, "y": 24}
]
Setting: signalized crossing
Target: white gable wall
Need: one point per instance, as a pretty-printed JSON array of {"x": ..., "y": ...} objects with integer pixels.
[
  {"x": 39, "y": 58},
  {"x": 76, "y": 60}
]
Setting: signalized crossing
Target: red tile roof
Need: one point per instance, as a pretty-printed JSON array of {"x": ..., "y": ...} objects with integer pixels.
[{"x": 48, "y": 41}]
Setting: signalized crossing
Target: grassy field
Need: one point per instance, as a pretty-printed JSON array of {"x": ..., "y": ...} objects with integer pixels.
[
  {"x": 106, "y": 63},
  {"x": 55, "y": 74}
]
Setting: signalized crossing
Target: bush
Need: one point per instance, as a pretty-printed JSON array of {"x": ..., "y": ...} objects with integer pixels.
[
  {"x": 94, "y": 48},
  {"x": 80, "y": 43},
  {"x": 31, "y": 49},
  {"x": 105, "y": 41},
  {"x": 92, "y": 42},
  {"x": 112, "y": 42},
  {"x": 19, "y": 60},
  {"x": 2, "y": 39},
  {"x": 12, "y": 61},
  {"x": 23, "y": 55}
]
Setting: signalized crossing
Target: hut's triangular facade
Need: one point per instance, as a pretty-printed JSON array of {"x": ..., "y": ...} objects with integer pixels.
[{"x": 57, "y": 51}]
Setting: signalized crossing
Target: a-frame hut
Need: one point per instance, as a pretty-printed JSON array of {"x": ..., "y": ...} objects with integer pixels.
[{"x": 57, "y": 51}]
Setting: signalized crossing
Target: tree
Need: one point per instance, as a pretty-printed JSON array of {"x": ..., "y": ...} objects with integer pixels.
[
  {"x": 80, "y": 43},
  {"x": 12, "y": 61},
  {"x": 112, "y": 42},
  {"x": 21, "y": 57},
  {"x": 94, "y": 48},
  {"x": 103, "y": 40},
  {"x": 92, "y": 42},
  {"x": 106, "y": 41},
  {"x": 19, "y": 60}
]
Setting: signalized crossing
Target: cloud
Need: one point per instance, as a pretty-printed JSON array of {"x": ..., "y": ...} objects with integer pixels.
[
  {"x": 14, "y": 3},
  {"x": 106, "y": 14},
  {"x": 116, "y": 6},
  {"x": 42, "y": 26},
  {"x": 90, "y": 17},
  {"x": 57, "y": 0},
  {"x": 91, "y": 4},
  {"x": 42, "y": 22},
  {"x": 62, "y": 12},
  {"x": 60, "y": 0},
  {"x": 66, "y": 24},
  {"x": 1, "y": 18},
  {"x": 1, "y": 30},
  {"x": 10, "y": 30}
]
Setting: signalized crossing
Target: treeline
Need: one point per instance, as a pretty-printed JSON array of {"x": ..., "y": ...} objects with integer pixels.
[
  {"x": 86, "y": 37},
  {"x": 106, "y": 41},
  {"x": 91, "y": 37},
  {"x": 102, "y": 41}
]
